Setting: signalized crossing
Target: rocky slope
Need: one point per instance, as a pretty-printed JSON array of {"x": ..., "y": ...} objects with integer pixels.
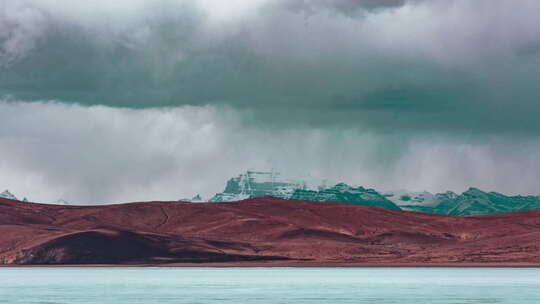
[
  {"x": 471, "y": 202},
  {"x": 345, "y": 193},
  {"x": 266, "y": 230}
]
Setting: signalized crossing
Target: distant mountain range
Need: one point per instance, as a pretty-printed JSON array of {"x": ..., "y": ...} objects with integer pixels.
[
  {"x": 9, "y": 195},
  {"x": 471, "y": 202},
  {"x": 254, "y": 184}
]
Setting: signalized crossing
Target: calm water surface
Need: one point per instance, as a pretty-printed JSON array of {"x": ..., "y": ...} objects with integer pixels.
[{"x": 269, "y": 285}]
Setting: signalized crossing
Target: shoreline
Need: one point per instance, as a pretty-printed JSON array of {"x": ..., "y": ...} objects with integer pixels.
[{"x": 284, "y": 265}]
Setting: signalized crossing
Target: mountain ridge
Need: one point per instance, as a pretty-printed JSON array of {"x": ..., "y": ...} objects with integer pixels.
[
  {"x": 472, "y": 201},
  {"x": 262, "y": 230}
]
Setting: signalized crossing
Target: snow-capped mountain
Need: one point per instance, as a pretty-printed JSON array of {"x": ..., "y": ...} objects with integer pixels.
[
  {"x": 471, "y": 202},
  {"x": 477, "y": 202},
  {"x": 256, "y": 184},
  {"x": 8, "y": 195},
  {"x": 196, "y": 199},
  {"x": 404, "y": 198}
]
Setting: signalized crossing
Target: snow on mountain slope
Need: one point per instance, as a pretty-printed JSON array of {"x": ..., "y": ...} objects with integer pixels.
[
  {"x": 252, "y": 184},
  {"x": 471, "y": 202},
  {"x": 257, "y": 184},
  {"x": 411, "y": 198},
  {"x": 8, "y": 195},
  {"x": 477, "y": 202}
]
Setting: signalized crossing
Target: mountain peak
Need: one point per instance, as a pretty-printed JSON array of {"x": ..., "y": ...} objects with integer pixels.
[
  {"x": 260, "y": 184},
  {"x": 8, "y": 195},
  {"x": 342, "y": 187},
  {"x": 257, "y": 184},
  {"x": 472, "y": 191}
]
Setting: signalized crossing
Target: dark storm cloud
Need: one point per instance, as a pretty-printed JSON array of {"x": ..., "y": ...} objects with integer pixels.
[{"x": 436, "y": 66}]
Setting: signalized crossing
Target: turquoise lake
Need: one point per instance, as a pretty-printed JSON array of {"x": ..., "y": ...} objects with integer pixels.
[{"x": 269, "y": 285}]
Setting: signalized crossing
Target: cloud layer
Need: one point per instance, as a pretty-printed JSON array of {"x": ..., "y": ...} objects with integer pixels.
[
  {"x": 101, "y": 154},
  {"x": 445, "y": 66},
  {"x": 134, "y": 100}
]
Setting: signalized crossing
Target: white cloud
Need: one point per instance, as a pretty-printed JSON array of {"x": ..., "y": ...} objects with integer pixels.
[
  {"x": 507, "y": 166},
  {"x": 448, "y": 31},
  {"x": 220, "y": 12},
  {"x": 20, "y": 27},
  {"x": 96, "y": 154},
  {"x": 100, "y": 154}
]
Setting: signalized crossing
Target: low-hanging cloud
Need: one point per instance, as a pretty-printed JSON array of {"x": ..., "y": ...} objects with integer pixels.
[{"x": 99, "y": 154}]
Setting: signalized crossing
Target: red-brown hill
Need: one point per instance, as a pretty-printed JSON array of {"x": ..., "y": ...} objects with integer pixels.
[{"x": 263, "y": 229}]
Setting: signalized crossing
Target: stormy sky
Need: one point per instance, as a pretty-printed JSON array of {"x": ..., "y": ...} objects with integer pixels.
[{"x": 114, "y": 101}]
